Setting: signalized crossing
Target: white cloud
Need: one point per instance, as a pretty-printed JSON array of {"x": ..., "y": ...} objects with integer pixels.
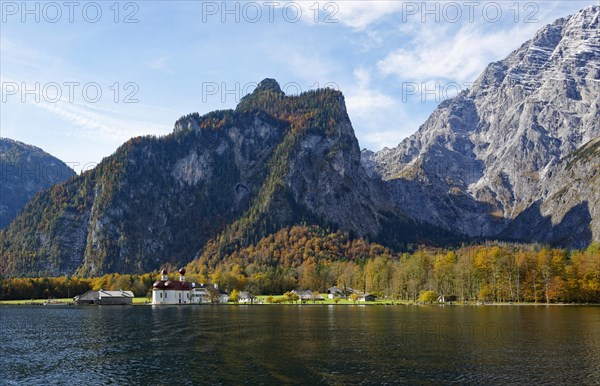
[
  {"x": 362, "y": 100},
  {"x": 354, "y": 14},
  {"x": 94, "y": 120},
  {"x": 360, "y": 14},
  {"x": 160, "y": 63},
  {"x": 96, "y": 125},
  {"x": 459, "y": 58},
  {"x": 376, "y": 116},
  {"x": 308, "y": 66}
]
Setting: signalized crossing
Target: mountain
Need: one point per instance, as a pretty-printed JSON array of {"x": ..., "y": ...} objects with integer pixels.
[
  {"x": 231, "y": 177},
  {"x": 515, "y": 156},
  {"x": 24, "y": 171}
]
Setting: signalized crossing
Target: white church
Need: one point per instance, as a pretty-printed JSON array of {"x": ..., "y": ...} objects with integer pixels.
[{"x": 167, "y": 291}]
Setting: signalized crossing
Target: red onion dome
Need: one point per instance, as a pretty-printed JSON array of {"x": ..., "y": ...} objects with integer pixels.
[{"x": 182, "y": 271}]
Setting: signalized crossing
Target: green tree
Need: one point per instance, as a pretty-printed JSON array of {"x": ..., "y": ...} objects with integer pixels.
[
  {"x": 427, "y": 296},
  {"x": 234, "y": 296},
  {"x": 291, "y": 297}
]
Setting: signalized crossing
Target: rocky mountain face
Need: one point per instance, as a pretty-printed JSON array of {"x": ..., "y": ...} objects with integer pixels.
[
  {"x": 503, "y": 158},
  {"x": 24, "y": 171},
  {"x": 571, "y": 194},
  {"x": 515, "y": 157},
  {"x": 231, "y": 177}
]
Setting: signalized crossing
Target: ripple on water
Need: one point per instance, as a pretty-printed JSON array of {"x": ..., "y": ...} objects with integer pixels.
[{"x": 309, "y": 345}]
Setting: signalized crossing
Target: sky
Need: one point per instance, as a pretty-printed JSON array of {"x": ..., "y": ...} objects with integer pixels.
[{"x": 79, "y": 78}]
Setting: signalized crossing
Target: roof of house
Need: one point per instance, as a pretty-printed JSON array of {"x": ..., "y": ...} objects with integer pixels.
[
  {"x": 306, "y": 294},
  {"x": 171, "y": 285},
  {"x": 115, "y": 294},
  {"x": 338, "y": 290},
  {"x": 89, "y": 295},
  {"x": 246, "y": 295},
  {"x": 211, "y": 287},
  {"x": 302, "y": 292}
]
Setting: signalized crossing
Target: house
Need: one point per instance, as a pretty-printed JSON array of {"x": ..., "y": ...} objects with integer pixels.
[
  {"x": 89, "y": 297},
  {"x": 103, "y": 297},
  {"x": 208, "y": 293},
  {"x": 449, "y": 298},
  {"x": 246, "y": 297},
  {"x": 167, "y": 291},
  {"x": 115, "y": 297},
  {"x": 367, "y": 298},
  {"x": 307, "y": 295},
  {"x": 336, "y": 292}
]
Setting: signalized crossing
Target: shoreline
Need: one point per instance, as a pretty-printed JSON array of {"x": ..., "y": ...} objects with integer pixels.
[{"x": 147, "y": 302}]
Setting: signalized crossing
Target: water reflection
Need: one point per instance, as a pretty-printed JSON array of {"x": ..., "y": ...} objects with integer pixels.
[{"x": 306, "y": 344}]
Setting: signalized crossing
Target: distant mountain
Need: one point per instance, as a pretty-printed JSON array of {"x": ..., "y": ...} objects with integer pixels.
[
  {"x": 516, "y": 155},
  {"x": 230, "y": 176},
  {"x": 24, "y": 171}
]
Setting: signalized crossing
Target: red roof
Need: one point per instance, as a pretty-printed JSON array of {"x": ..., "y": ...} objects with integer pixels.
[{"x": 174, "y": 285}]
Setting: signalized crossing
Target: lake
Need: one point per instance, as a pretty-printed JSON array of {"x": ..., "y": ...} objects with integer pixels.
[{"x": 291, "y": 344}]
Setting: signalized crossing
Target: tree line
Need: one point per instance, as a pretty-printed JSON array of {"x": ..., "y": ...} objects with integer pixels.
[
  {"x": 69, "y": 287},
  {"x": 310, "y": 257}
]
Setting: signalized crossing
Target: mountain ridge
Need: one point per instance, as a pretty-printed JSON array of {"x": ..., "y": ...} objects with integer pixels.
[
  {"x": 25, "y": 170},
  {"x": 231, "y": 176},
  {"x": 486, "y": 155}
]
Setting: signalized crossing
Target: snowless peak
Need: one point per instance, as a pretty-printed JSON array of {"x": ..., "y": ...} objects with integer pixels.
[
  {"x": 505, "y": 143},
  {"x": 268, "y": 84},
  {"x": 267, "y": 89}
]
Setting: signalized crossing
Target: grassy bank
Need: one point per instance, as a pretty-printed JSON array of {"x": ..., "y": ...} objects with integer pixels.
[
  {"x": 136, "y": 301},
  {"x": 262, "y": 300}
]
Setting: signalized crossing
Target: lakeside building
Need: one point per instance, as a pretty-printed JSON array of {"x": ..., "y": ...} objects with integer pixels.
[
  {"x": 247, "y": 297},
  {"x": 103, "y": 297},
  {"x": 342, "y": 293},
  {"x": 307, "y": 295},
  {"x": 165, "y": 291},
  {"x": 367, "y": 298}
]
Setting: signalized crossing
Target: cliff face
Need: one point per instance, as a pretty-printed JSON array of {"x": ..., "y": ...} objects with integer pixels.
[
  {"x": 24, "y": 171},
  {"x": 499, "y": 151},
  {"x": 568, "y": 211},
  {"x": 515, "y": 157},
  {"x": 231, "y": 176}
]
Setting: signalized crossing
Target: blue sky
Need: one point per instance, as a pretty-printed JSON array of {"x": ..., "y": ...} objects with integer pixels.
[{"x": 154, "y": 61}]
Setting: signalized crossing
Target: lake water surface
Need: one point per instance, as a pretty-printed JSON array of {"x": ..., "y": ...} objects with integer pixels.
[{"x": 309, "y": 344}]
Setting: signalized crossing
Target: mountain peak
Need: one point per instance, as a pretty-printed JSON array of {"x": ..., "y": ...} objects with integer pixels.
[
  {"x": 25, "y": 170},
  {"x": 499, "y": 141},
  {"x": 267, "y": 92},
  {"x": 268, "y": 84}
]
